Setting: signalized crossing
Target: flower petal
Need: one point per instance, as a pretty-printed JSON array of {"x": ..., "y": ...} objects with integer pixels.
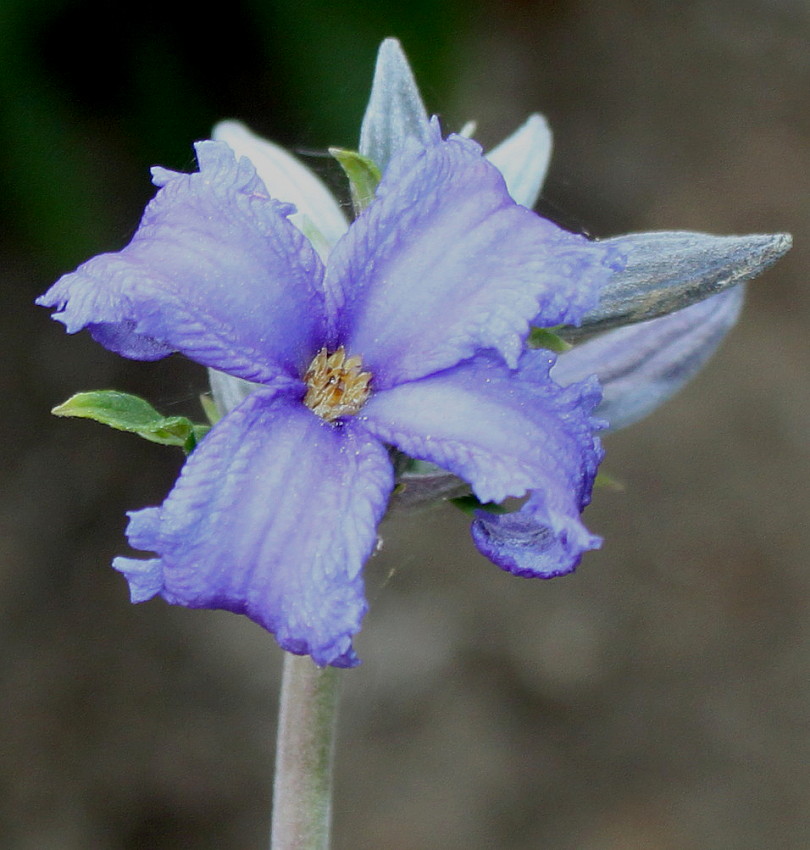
[
  {"x": 529, "y": 543},
  {"x": 444, "y": 239},
  {"x": 395, "y": 112},
  {"x": 504, "y": 432},
  {"x": 287, "y": 179},
  {"x": 523, "y": 159},
  {"x": 668, "y": 271},
  {"x": 273, "y": 516},
  {"x": 215, "y": 271},
  {"x": 641, "y": 366},
  {"x": 145, "y": 577}
]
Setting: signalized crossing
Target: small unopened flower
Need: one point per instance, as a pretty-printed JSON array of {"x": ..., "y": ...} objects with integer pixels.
[{"x": 409, "y": 337}]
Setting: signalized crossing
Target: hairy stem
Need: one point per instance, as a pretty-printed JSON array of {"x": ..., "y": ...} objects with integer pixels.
[{"x": 302, "y": 793}]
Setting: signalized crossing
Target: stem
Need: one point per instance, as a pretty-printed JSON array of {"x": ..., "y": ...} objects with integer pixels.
[{"x": 302, "y": 792}]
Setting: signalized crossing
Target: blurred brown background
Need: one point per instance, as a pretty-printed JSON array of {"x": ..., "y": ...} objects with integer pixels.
[{"x": 659, "y": 697}]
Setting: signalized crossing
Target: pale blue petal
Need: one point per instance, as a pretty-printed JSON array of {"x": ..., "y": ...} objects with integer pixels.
[
  {"x": 643, "y": 365},
  {"x": 668, "y": 271},
  {"x": 504, "y": 432},
  {"x": 523, "y": 159},
  {"x": 445, "y": 263},
  {"x": 395, "y": 112},
  {"x": 215, "y": 271},
  {"x": 273, "y": 516},
  {"x": 287, "y": 179}
]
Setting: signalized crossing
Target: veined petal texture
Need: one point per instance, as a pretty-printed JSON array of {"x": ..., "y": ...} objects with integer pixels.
[
  {"x": 641, "y": 366},
  {"x": 668, "y": 271},
  {"x": 215, "y": 271},
  {"x": 273, "y": 516},
  {"x": 287, "y": 179},
  {"x": 395, "y": 112},
  {"x": 523, "y": 159},
  {"x": 444, "y": 240},
  {"x": 503, "y": 431}
]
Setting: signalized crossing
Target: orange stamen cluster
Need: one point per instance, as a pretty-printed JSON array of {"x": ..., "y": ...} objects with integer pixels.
[{"x": 336, "y": 385}]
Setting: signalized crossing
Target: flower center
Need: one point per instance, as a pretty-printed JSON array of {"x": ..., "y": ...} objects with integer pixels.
[{"x": 336, "y": 386}]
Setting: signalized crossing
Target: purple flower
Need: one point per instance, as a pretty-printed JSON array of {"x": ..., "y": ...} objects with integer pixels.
[{"x": 409, "y": 336}]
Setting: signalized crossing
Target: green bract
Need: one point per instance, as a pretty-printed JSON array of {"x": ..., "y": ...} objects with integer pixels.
[
  {"x": 545, "y": 338},
  {"x": 363, "y": 174},
  {"x": 127, "y": 412}
]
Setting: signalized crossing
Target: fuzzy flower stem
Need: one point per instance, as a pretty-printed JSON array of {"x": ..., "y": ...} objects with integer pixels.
[{"x": 302, "y": 793}]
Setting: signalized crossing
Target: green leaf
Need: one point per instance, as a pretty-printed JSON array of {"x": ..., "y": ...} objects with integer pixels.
[
  {"x": 129, "y": 413},
  {"x": 545, "y": 338},
  {"x": 469, "y": 505},
  {"x": 608, "y": 482},
  {"x": 363, "y": 173}
]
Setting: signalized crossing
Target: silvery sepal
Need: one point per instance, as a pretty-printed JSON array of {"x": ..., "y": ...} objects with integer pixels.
[
  {"x": 669, "y": 270},
  {"x": 395, "y": 111},
  {"x": 228, "y": 390},
  {"x": 318, "y": 215},
  {"x": 523, "y": 159}
]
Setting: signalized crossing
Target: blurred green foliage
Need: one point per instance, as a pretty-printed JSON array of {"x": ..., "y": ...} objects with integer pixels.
[{"x": 92, "y": 93}]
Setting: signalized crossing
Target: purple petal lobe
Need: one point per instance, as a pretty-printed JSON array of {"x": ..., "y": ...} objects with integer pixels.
[
  {"x": 123, "y": 339},
  {"x": 445, "y": 263},
  {"x": 641, "y": 366},
  {"x": 215, "y": 271},
  {"x": 273, "y": 516},
  {"x": 504, "y": 432},
  {"x": 145, "y": 577},
  {"x": 530, "y": 543}
]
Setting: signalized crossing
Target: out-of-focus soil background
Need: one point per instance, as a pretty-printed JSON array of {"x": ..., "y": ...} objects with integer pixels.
[{"x": 660, "y": 697}]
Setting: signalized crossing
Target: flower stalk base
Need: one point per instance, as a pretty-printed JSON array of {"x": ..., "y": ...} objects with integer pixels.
[{"x": 302, "y": 793}]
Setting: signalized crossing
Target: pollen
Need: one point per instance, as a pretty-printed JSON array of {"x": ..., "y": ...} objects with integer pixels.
[{"x": 336, "y": 384}]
